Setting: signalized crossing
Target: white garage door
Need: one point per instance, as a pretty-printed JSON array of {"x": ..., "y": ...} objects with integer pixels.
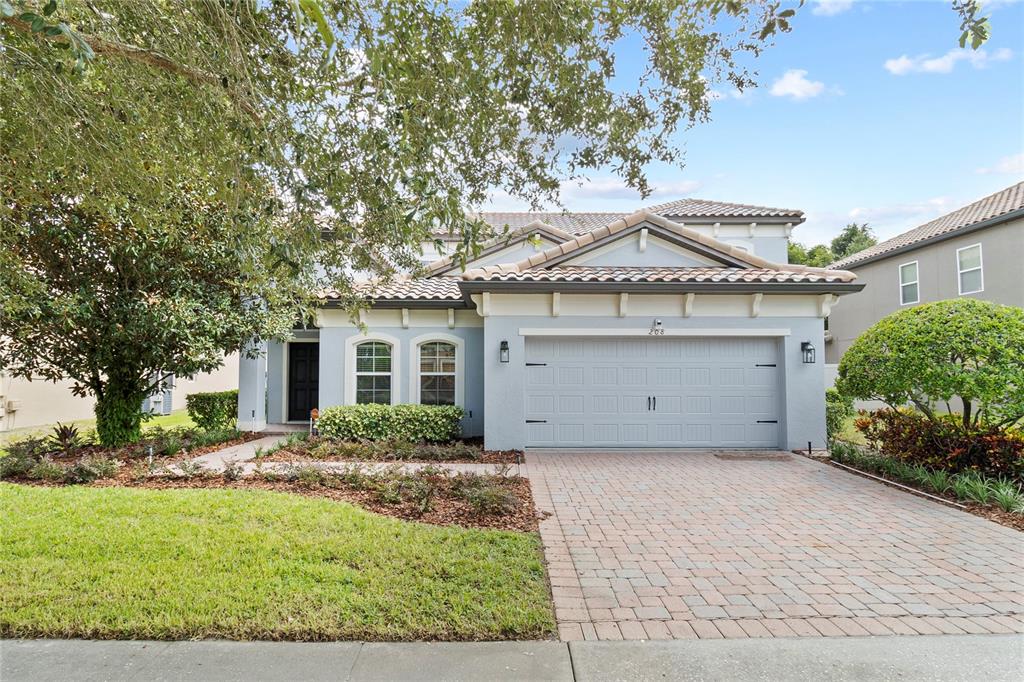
[{"x": 652, "y": 392}]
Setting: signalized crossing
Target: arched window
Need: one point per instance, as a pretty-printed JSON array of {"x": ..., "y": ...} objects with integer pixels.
[
  {"x": 437, "y": 373},
  {"x": 373, "y": 373}
]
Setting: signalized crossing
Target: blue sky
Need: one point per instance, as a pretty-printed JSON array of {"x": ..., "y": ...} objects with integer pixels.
[{"x": 867, "y": 111}]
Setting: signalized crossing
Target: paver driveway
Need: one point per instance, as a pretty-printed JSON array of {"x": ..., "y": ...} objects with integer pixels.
[{"x": 657, "y": 545}]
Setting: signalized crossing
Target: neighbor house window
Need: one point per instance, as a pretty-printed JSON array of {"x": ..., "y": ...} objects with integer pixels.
[
  {"x": 908, "y": 284},
  {"x": 373, "y": 373},
  {"x": 968, "y": 267},
  {"x": 437, "y": 373}
]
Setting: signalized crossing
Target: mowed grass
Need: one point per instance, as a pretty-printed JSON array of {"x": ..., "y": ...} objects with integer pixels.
[{"x": 116, "y": 563}]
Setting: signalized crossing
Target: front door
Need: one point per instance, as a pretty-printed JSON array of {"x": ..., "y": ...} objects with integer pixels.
[{"x": 303, "y": 379}]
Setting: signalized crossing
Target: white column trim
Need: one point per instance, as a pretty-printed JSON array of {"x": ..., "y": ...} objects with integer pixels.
[{"x": 688, "y": 304}]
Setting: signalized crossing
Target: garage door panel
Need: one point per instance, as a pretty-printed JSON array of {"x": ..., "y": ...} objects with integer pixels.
[
  {"x": 599, "y": 392},
  {"x": 539, "y": 404}
]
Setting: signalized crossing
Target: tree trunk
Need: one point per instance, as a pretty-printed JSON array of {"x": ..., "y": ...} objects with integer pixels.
[{"x": 119, "y": 411}]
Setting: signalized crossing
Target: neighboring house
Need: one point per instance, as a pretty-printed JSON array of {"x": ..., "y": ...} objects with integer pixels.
[
  {"x": 975, "y": 251},
  {"x": 26, "y": 403},
  {"x": 676, "y": 326}
]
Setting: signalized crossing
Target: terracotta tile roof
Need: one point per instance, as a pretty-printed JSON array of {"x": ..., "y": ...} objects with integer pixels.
[
  {"x": 582, "y": 273},
  {"x": 432, "y": 289},
  {"x": 498, "y": 243},
  {"x": 634, "y": 221},
  {"x": 702, "y": 208},
  {"x": 992, "y": 206},
  {"x": 573, "y": 223},
  {"x": 682, "y": 209}
]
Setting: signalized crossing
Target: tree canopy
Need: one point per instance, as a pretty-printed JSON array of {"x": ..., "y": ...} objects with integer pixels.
[
  {"x": 854, "y": 237},
  {"x": 928, "y": 355}
]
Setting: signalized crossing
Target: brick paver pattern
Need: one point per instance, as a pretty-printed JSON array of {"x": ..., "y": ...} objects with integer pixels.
[{"x": 675, "y": 545}]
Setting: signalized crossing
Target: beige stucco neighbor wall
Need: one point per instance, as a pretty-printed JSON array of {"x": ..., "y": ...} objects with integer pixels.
[
  {"x": 42, "y": 402},
  {"x": 1002, "y": 248}
]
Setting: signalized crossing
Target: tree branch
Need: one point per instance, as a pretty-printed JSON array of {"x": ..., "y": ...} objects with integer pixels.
[{"x": 140, "y": 55}]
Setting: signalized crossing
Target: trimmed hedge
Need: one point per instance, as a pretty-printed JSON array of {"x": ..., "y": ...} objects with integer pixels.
[
  {"x": 413, "y": 423},
  {"x": 216, "y": 410},
  {"x": 838, "y": 408}
]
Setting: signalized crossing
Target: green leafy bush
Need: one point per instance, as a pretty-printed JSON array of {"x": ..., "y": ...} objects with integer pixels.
[
  {"x": 485, "y": 494},
  {"x": 90, "y": 469},
  {"x": 46, "y": 470},
  {"x": 215, "y": 410},
  {"x": 961, "y": 350},
  {"x": 838, "y": 408},
  {"x": 411, "y": 423},
  {"x": 942, "y": 443}
]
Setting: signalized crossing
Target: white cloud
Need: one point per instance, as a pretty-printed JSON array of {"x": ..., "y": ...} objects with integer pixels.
[
  {"x": 1008, "y": 165},
  {"x": 794, "y": 83},
  {"x": 830, "y": 8},
  {"x": 979, "y": 59},
  {"x": 615, "y": 188}
]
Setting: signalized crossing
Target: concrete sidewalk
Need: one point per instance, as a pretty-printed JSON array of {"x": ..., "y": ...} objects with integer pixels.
[{"x": 945, "y": 657}]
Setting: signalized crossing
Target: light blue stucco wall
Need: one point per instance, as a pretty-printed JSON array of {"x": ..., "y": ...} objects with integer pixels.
[
  {"x": 803, "y": 389},
  {"x": 334, "y": 373}
]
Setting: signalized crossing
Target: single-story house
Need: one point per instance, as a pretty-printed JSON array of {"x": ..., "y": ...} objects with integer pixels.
[
  {"x": 678, "y": 326},
  {"x": 975, "y": 251}
]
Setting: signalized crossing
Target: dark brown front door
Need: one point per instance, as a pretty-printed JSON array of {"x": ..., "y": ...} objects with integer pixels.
[{"x": 303, "y": 379}]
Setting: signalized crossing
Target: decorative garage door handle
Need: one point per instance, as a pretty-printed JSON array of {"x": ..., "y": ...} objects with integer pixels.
[
  {"x": 648, "y": 403},
  {"x": 771, "y": 365},
  {"x": 767, "y": 421},
  {"x": 536, "y": 364},
  {"x": 536, "y": 421}
]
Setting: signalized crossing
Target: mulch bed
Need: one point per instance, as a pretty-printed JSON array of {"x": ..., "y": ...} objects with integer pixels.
[
  {"x": 447, "y": 511},
  {"x": 133, "y": 454},
  {"x": 990, "y": 512},
  {"x": 286, "y": 454}
]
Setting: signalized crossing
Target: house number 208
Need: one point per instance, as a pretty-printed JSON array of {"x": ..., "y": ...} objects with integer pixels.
[{"x": 656, "y": 332}]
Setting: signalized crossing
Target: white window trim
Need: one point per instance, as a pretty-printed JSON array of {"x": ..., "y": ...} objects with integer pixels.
[
  {"x": 460, "y": 365},
  {"x": 980, "y": 268},
  {"x": 899, "y": 276},
  {"x": 350, "y": 364}
]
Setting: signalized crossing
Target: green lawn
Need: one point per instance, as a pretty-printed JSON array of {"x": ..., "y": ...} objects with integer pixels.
[
  {"x": 240, "y": 564},
  {"x": 175, "y": 418}
]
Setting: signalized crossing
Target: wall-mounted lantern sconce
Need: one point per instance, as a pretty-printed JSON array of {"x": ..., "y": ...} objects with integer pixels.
[
  {"x": 808, "y": 352},
  {"x": 503, "y": 351}
]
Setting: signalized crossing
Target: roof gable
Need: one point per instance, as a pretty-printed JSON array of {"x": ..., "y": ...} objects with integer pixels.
[
  {"x": 995, "y": 208},
  {"x": 494, "y": 247}
]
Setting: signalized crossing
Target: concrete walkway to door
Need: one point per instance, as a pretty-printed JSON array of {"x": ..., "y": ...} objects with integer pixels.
[{"x": 663, "y": 545}]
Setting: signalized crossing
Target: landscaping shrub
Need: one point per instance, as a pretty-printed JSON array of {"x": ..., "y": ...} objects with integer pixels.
[
  {"x": 961, "y": 350},
  {"x": 214, "y": 410},
  {"x": 46, "y": 470},
  {"x": 838, "y": 408},
  {"x": 410, "y": 423},
  {"x": 484, "y": 494},
  {"x": 942, "y": 443},
  {"x": 90, "y": 469},
  {"x": 66, "y": 438}
]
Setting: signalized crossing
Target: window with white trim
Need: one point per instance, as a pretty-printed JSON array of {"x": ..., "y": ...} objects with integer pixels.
[
  {"x": 968, "y": 269},
  {"x": 909, "y": 292},
  {"x": 437, "y": 373},
  {"x": 373, "y": 373}
]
